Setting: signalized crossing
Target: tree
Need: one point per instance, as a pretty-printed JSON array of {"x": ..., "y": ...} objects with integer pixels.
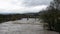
[{"x": 52, "y": 14}]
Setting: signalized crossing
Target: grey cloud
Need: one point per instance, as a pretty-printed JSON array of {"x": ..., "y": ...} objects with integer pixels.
[{"x": 36, "y": 2}]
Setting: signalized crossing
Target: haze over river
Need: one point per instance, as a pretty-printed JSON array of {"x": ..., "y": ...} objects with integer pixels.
[{"x": 22, "y": 26}]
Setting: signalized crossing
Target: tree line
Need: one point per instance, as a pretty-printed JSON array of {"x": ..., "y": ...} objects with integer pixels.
[{"x": 12, "y": 17}]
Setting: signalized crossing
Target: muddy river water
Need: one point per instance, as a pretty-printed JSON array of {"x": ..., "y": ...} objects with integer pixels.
[{"x": 22, "y": 26}]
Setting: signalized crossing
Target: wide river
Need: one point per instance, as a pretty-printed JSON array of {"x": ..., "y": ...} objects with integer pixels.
[{"x": 22, "y": 26}]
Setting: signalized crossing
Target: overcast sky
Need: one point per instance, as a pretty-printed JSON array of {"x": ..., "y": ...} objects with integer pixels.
[{"x": 22, "y": 6}]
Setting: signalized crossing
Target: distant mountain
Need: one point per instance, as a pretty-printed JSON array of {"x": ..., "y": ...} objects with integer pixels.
[{"x": 30, "y": 13}]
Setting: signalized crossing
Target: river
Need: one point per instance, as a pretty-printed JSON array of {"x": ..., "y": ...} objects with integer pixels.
[{"x": 22, "y": 26}]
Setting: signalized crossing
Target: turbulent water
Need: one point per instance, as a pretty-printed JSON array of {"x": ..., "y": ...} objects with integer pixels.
[{"x": 23, "y": 26}]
